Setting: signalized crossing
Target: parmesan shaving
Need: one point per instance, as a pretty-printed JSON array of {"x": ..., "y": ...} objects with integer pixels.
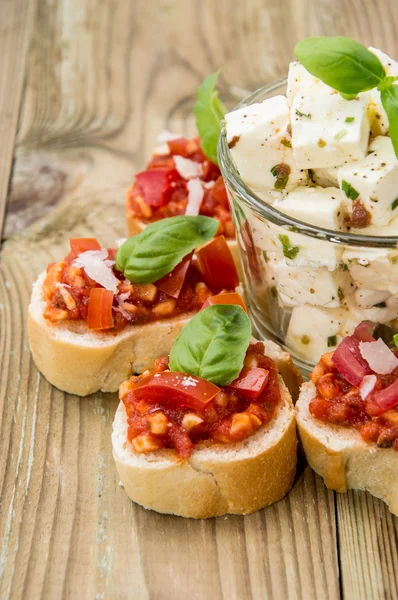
[{"x": 94, "y": 264}]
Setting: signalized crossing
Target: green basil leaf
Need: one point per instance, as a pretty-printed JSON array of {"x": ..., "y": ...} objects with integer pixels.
[
  {"x": 213, "y": 344},
  {"x": 209, "y": 111},
  {"x": 148, "y": 256},
  {"x": 344, "y": 64},
  {"x": 389, "y": 99}
]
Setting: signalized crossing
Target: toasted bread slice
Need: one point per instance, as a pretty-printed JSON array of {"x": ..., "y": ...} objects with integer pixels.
[
  {"x": 79, "y": 361},
  {"x": 343, "y": 458},
  {"x": 217, "y": 479}
]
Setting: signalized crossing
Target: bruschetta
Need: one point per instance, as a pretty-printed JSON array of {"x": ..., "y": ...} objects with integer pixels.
[
  {"x": 206, "y": 445},
  {"x": 347, "y": 416},
  {"x": 179, "y": 180},
  {"x": 101, "y": 314}
]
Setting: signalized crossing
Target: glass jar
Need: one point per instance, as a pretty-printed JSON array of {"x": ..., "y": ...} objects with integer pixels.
[{"x": 307, "y": 287}]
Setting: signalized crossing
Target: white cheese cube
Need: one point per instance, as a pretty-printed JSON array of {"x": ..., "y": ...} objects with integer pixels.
[
  {"x": 328, "y": 131},
  {"x": 323, "y": 207},
  {"x": 313, "y": 331},
  {"x": 378, "y": 116},
  {"x": 300, "y": 81},
  {"x": 370, "y": 298},
  {"x": 304, "y": 251},
  {"x": 260, "y": 143},
  {"x": 389, "y": 230},
  {"x": 325, "y": 177},
  {"x": 378, "y": 314},
  {"x": 298, "y": 286},
  {"x": 375, "y": 179},
  {"x": 373, "y": 268}
]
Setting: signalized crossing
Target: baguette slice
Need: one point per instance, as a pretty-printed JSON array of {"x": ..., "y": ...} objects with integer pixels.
[
  {"x": 343, "y": 458},
  {"x": 135, "y": 226},
  {"x": 79, "y": 361},
  {"x": 217, "y": 479}
]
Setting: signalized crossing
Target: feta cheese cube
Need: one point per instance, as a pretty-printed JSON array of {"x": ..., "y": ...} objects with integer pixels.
[
  {"x": 378, "y": 314},
  {"x": 328, "y": 131},
  {"x": 370, "y": 298},
  {"x": 373, "y": 268},
  {"x": 260, "y": 143},
  {"x": 317, "y": 287},
  {"x": 323, "y": 207},
  {"x": 313, "y": 331},
  {"x": 304, "y": 251},
  {"x": 300, "y": 81},
  {"x": 325, "y": 177},
  {"x": 378, "y": 116},
  {"x": 375, "y": 179}
]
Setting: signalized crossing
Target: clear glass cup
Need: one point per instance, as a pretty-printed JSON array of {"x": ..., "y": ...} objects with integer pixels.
[{"x": 307, "y": 299}]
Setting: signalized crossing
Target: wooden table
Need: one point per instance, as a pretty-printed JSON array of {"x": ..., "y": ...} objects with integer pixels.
[{"x": 85, "y": 86}]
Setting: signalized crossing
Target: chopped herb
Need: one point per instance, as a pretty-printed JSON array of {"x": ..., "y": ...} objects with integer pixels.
[
  {"x": 349, "y": 191},
  {"x": 373, "y": 199},
  {"x": 395, "y": 338},
  {"x": 342, "y": 133},
  {"x": 274, "y": 292},
  {"x": 343, "y": 267},
  {"x": 281, "y": 172},
  {"x": 380, "y": 305},
  {"x": 340, "y": 294},
  {"x": 265, "y": 255},
  {"x": 332, "y": 341},
  {"x": 289, "y": 251},
  {"x": 305, "y": 340},
  {"x": 301, "y": 114},
  {"x": 349, "y": 119},
  {"x": 293, "y": 228},
  {"x": 286, "y": 143},
  {"x": 394, "y": 204},
  {"x": 321, "y": 143}
]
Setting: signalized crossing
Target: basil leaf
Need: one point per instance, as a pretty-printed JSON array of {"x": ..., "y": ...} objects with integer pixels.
[
  {"x": 389, "y": 100},
  {"x": 213, "y": 344},
  {"x": 209, "y": 111},
  {"x": 342, "y": 63},
  {"x": 148, "y": 256}
]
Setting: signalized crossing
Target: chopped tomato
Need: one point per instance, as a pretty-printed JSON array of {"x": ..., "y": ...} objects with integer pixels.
[
  {"x": 100, "y": 309},
  {"x": 217, "y": 265},
  {"x": 251, "y": 382},
  {"x": 219, "y": 192},
  {"x": 79, "y": 245},
  {"x": 229, "y": 298},
  {"x": 156, "y": 185},
  {"x": 171, "y": 284},
  {"x": 182, "y": 147},
  {"x": 174, "y": 390}
]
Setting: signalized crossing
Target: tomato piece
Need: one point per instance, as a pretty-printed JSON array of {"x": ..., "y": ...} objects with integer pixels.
[
  {"x": 156, "y": 185},
  {"x": 79, "y": 245},
  {"x": 220, "y": 193},
  {"x": 229, "y": 298},
  {"x": 217, "y": 265},
  {"x": 171, "y": 284},
  {"x": 251, "y": 382},
  {"x": 54, "y": 276},
  {"x": 100, "y": 309},
  {"x": 50, "y": 266},
  {"x": 172, "y": 389},
  {"x": 181, "y": 146},
  {"x": 383, "y": 400}
]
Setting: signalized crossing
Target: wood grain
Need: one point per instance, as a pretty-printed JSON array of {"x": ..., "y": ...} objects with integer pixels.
[{"x": 101, "y": 80}]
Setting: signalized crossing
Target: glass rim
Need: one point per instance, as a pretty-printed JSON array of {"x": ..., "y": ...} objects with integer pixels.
[{"x": 267, "y": 211}]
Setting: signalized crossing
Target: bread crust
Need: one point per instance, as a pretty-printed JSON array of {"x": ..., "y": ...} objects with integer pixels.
[
  {"x": 343, "y": 458},
  {"x": 217, "y": 479},
  {"x": 135, "y": 226},
  {"x": 81, "y": 362}
]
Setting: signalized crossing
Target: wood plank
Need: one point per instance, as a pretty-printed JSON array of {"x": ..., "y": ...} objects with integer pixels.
[{"x": 15, "y": 28}]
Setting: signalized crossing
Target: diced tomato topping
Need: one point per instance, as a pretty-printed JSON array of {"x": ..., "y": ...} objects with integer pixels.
[
  {"x": 364, "y": 331},
  {"x": 251, "y": 382},
  {"x": 175, "y": 390},
  {"x": 228, "y": 298},
  {"x": 100, "y": 309},
  {"x": 171, "y": 284},
  {"x": 79, "y": 245},
  {"x": 181, "y": 146},
  {"x": 156, "y": 185},
  {"x": 219, "y": 192},
  {"x": 383, "y": 400},
  {"x": 217, "y": 264}
]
